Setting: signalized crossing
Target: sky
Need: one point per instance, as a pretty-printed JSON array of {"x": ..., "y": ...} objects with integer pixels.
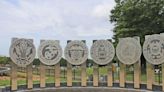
[{"x": 54, "y": 20}]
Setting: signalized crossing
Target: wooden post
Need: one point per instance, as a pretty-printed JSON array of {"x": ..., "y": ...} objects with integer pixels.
[
  {"x": 137, "y": 71},
  {"x": 122, "y": 74},
  {"x": 13, "y": 76},
  {"x": 163, "y": 77},
  {"x": 150, "y": 73},
  {"x": 162, "y": 34},
  {"x": 69, "y": 74},
  {"x": 83, "y": 75},
  {"x": 42, "y": 75},
  {"x": 29, "y": 74},
  {"x": 29, "y": 77},
  {"x": 95, "y": 75},
  {"x": 137, "y": 74},
  {"x": 110, "y": 75},
  {"x": 13, "y": 72},
  {"x": 57, "y": 75}
]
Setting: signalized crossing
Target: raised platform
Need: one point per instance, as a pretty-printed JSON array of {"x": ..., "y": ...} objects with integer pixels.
[
  {"x": 50, "y": 87},
  {"x": 84, "y": 89}
]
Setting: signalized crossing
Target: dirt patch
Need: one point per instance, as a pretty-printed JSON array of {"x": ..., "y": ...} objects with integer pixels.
[{"x": 22, "y": 77}]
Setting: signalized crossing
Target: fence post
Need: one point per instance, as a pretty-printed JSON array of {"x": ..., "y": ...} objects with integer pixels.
[
  {"x": 95, "y": 75},
  {"x": 137, "y": 71},
  {"x": 162, "y": 77},
  {"x": 29, "y": 77},
  {"x": 13, "y": 76},
  {"x": 42, "y": 75},
  {"x": 122, "y": 74},
  {"x": 29, "y": 74},
  {"x": 83, "y": 75},
  {"x": 150, "y": 75},
  {"x": 57, "y": 75},
  {"x": 137, "y": 74},
  {"x": 149, "y": 71},
  {"x": 110, "y": 75},
  {"x": 69, "y": 74},
  {"x": 162, "y": 34},
  {"x": 13, "y": 72}
]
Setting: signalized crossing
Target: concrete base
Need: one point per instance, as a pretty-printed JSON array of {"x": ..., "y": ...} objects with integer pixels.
[
  {"x": 84, "y": 89},
  {"x": 76, "y": 87}
]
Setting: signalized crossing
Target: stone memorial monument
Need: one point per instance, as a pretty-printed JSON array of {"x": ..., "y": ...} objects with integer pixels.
[
  {"x": 49, "y": 52},
  {"x": 153, "y": 49},
  {"x": 22, "y": 52},
  {"x": 76, "y": 52},
  {"x": 102, "y": 52},
  {"x": 128, "y": 50}
]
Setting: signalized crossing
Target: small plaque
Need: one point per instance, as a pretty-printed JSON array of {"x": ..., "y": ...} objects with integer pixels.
[
  {"x": 153, "y": 49},
  {"x": 76, "y": 52},
  {"x": 50, "y": 52},
  {"x": 22, "y": 52},
  {"x": 128, "y": 50},
  {"x": 102, "y": 52}
]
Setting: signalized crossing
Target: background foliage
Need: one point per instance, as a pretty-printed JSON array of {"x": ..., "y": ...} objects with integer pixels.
[{"x": 137, "y": 18}]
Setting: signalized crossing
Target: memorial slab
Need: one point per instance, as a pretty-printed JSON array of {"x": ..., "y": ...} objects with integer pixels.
[
  {"x": 153, "y": 49},
  {"x": 76, "y": 52},
  {"x": 128, "y": 50},
  {"x": 102, "y": 52},
  {"x": 50, "y": 52},
  {"x": 22, "y": 52}
]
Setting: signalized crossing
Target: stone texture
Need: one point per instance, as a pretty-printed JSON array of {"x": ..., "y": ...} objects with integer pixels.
[
  {"x": 102, "y": 52},
  {"x": 128, "y": 50},
  {"x": 153, "y": 49},
  {"x": 22, "y": 52},
  {"x": 137, "y": 70},
  {"x": 49, "y": 52},
  {"x": 76, "y": 52}
]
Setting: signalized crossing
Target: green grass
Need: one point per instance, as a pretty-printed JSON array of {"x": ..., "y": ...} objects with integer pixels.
[{"x": 4, "y": 82}]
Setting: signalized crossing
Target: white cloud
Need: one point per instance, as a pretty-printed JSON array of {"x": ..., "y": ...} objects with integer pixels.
[
  {"x": 54, "y": 19},
  {"x": 103, "y": 9}
]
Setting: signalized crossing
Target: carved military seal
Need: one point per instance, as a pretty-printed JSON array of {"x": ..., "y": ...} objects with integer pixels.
[
  {"x": 22, "y": 52},
  {"x": 49, "y": 52},
  {"x": 102, "y": 52},
  {"x": 153, "y": 49},
  {"x": 76, "y": 52},
  {"x": 128, "y": 50}
]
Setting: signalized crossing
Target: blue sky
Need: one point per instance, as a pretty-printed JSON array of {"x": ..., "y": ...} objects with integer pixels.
[{"x": 55, "y": 20}]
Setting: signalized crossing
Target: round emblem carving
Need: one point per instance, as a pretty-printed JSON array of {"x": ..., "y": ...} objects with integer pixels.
[
  {"x": 102, "y": 52},
  {"x": 76, "y": 52},
  {"x": 22, "y": 52},
  {"x": 153, "y": 49},
  {"x": 49, "y": 52},
  {"x": 128, "y": 50}
]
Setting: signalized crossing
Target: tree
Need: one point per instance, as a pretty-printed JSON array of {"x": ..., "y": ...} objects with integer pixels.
[
  {"x": 4, "y": 60},
  {"x": 137, "y": 18}
]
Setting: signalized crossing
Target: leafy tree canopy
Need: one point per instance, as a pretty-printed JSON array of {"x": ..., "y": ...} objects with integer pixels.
[{"x": 137, "y": 18}]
